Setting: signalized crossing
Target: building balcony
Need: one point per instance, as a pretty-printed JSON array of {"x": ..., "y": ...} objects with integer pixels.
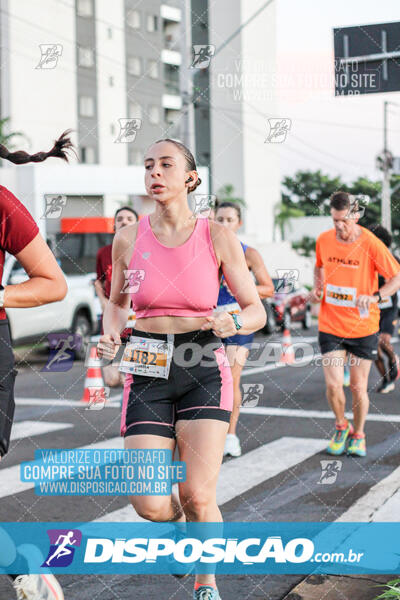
[
  {"x": 170, "y": 13},
  {"x": 171, "y": 57},
  {"x": 171, "y": 102}
]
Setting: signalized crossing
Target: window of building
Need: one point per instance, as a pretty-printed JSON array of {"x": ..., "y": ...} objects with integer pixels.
[
  {"x": 85, "y": 57},
  {"x": 151, "y": 23},
  {"x": 85, "y": 8},
  {"x": 88, "y": 155},
  {"x": 86, "y": 106},
  {"x": 133, "y": 19},
  {"x": 154, "y": 115},
  {"x": 134, "y": 65},
  {"x": 134, "y": 110},
  {"x": 152, "y": 69}
]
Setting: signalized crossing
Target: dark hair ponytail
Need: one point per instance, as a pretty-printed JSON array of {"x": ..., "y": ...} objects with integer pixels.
[
  {"x": 59, "y": 150},
  {"x": 190, "y": 162}
]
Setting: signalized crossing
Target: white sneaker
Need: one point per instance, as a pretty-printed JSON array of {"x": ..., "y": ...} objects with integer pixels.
[
  {"x": 232, "y": 445},
  {"x": 38, "y": 587}
]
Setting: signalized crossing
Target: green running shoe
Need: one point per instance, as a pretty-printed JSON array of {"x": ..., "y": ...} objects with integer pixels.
[
  {"x": 206, "y": 592},
  {"x": 337, "y": 445},
  {"x": 357, "y": 446}
]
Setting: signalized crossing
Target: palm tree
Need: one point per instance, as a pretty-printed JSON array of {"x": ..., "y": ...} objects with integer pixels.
[
  {"x": 283, "y": 214},
  {"x": 225, "y": 193},
  {"x": 7, "y": 138}
]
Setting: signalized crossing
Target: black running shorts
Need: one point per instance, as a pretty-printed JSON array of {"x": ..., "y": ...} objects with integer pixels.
[
  {"x": 363, "y": 347},
  {"x": 199, "y": 386}
]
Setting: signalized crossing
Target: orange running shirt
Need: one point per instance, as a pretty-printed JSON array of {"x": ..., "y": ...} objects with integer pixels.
[{"x": 349, "y": 271}]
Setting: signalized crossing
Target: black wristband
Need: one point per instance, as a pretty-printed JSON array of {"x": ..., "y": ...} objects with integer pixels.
[{"x": 379, "y": 296}]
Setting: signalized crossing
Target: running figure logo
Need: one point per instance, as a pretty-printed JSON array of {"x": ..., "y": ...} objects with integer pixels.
[
  {"x": 203, "y": 203},
  {"x": 286, "y": 280},
  {"x": 202, "y": 56},
  {"x": 330, "y": 471},
  {"x": 278, "y": 130},
  {"x": 62, "y": 351},
  {"x": 128, "y": 129},
  {"x": 98, "y": 397},
  {"x": 251, "y": 394},
  {"x": 133, "y": 279},
  {"x": 54, "y": 206},
  {"x": 50, "y": 54},
  {"x": 62, "y": 550},
  {"x": 358, "y": 204}
]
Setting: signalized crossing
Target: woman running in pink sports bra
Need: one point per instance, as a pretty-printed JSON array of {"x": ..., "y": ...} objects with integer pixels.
[{"x": 170, "y": 265}]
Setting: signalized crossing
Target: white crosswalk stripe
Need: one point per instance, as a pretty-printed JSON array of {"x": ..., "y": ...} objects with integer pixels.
[
  {"x": 312, "y": 414},
  {"x": 240, "y": 475},
  {"x": 380, "y": 503},
  {"x": 27, "y": 429},
  {"x": 10, "y": 476}
]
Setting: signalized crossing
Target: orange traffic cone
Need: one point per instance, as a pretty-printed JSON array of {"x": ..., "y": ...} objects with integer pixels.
[
  {"x": 287, "y": 356},
  {"x": 94, "y": 378}
]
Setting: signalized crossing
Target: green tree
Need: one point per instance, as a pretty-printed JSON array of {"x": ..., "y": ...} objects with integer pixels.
[
  {"x": 308, "y": 190},
  {"x": 305, "y": 246},
  {"x": 7, "y": 139},
  {"x": 283, "y": 214},
  {"x": 226, "y": 193}
]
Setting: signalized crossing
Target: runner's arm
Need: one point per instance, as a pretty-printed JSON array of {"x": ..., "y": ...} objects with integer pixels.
[
  {"x": 230, "y": 256},
  {"x": 117, "y": 308},
  {"x": 99, "y": 281},
  {"x": 264, "y": 285},
  {"x": 316, "y": 293},
  {"x": 46, "y": 281},
  {"x": 98, "y": 286},
  {"x": 390, "y": 286}
]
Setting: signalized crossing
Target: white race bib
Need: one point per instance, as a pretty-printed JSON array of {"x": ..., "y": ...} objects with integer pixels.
[
  {"x": 145, "y": 356},
  {"x": 386, "y": 303},
  {"x": 340, "y": 296},
  {"x": 233, "y": 307}
]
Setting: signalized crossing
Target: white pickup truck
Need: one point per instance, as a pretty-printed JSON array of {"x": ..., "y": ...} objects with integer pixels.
[{"x": 78, "y": 313}]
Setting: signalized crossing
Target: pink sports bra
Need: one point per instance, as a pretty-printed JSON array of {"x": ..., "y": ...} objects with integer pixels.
[{"x": 181, "y": 281}]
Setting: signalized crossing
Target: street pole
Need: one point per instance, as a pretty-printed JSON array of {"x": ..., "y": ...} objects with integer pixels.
[{"x": 386, "y": 207}]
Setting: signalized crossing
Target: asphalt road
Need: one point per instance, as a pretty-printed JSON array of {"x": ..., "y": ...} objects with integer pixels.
[{"x": 285, "y": 433}]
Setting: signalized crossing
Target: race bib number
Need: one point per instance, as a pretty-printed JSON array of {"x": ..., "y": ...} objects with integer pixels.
[
  {"x": 144, "y": 356},
  {"x": 233, "y": 308},
  {"x": 386, "y": 303},
  {"x": 340, "y": 296},
  {"x": 130, "y": 323}
]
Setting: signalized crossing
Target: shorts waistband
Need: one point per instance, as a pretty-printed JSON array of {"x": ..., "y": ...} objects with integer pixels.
[{"x": 197, "y": 336}]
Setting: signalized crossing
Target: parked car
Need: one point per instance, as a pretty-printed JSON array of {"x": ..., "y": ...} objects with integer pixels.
[
  {"x": 77, "y": 313},
  {"x": 288, "y": 305}
]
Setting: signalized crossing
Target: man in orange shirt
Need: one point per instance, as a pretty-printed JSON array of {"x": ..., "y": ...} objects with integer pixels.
[{"x": 348, "y": 261}]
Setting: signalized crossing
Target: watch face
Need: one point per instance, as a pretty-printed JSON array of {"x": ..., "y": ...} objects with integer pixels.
[{"x": 239, "y": 320}]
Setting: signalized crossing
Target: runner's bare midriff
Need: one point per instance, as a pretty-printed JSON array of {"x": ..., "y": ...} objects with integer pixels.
[{"x": 169, "y": 324}]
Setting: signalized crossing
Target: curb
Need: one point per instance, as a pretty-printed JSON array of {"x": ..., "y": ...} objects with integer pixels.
[{"x": 332, "y": 587}]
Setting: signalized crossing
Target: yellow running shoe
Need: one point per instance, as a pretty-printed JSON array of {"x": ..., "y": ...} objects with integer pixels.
[
  {"x": 357, "y": 446},
  {"x": 337, "y": 445}
]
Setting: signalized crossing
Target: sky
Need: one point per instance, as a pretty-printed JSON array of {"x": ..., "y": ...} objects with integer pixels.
[{"x": 339, "y": 135}]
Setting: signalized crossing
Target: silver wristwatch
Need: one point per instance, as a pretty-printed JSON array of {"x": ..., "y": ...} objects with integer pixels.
[{"x": 1, "y": 296}]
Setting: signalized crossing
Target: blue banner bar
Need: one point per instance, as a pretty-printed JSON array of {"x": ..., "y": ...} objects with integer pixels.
[{"x": 236, "y": 548}]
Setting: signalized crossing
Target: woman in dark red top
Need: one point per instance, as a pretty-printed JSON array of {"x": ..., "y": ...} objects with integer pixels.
[{"x": 19, "y": 235}]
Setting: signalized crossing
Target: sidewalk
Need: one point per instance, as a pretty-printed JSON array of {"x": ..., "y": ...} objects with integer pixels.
[{"x": 332, "y": 587}]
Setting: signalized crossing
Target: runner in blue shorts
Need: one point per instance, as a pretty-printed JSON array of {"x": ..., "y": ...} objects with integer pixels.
[{"x": 238, "y": 346}]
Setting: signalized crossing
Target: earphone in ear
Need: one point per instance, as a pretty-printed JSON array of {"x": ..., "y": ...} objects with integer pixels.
[{"x": 189, "y": 179}]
